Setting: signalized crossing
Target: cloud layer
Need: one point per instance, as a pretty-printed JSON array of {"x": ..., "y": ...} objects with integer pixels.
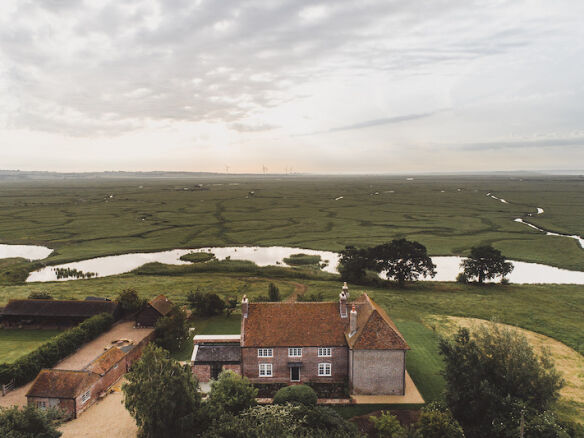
[{"x": 204, "y": 82}]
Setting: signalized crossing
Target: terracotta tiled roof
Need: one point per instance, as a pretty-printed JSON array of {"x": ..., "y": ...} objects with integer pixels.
[
  {"x": 61, "y": 308},
  {"x": 106, "y": 361},
  {"x": 61, "y": 383},
  {"x": 293, "y": 324},
  {"x": 162, "y": 305},
  {"x": 375, "y": 329}
]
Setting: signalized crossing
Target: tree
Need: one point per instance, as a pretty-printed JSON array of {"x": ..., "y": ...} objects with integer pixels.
[
  {"x": 28, "y": 422},
  {"x": 163, "y": 396},
  {"x": 130, "y": 302},
  {"x": 353, "y": 264},
  {"x": 387, "y": 426},
  {"x": 485, "y": 263},
  {"x": 274, "y": 293},
  {"x": 493, "y": 377},
  {"x": 231, "y": 393},
  {"x": 436, "y": 421},
  {"x": 403, "y": 260},
  {"x": 172, "y": 331},
  {"x": 205, "y": 304}
]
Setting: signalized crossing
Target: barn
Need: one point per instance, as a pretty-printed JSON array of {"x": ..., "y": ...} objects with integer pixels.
[{"x": 154, "y": 310}]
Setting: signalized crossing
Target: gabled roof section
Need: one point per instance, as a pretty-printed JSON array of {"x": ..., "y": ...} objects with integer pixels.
[
  {"x": 375, "y": 329},
  {"x": 59, "y": 308},
  {"x": 162, "y": 305},
  {"x": 56, "y": 383},
  {"x": 106, "y": 361},
  {"x": 298, "y": 324}
]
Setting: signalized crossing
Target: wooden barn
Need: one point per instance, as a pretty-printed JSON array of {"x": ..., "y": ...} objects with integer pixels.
[
  {"x": 155, "y": 309},
  {"x": 54, "y": 313}
]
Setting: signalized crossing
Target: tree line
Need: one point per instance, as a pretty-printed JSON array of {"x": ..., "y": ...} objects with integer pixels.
[{"x": 402, "y": 260}]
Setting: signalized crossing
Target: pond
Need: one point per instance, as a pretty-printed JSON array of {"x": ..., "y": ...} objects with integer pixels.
[
  {"x": 447, "y": 269},
  {"x": 29, "y": 252}
]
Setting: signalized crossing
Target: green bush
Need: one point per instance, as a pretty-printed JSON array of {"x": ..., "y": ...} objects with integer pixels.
[
  {"x": 48, "y": 354},
  {"x": 296, "y": 394},
  {"x": 387, "y": 425}
]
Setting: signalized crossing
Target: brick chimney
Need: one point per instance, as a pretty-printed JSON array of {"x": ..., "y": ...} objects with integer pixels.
[
  {"x": 353, "y": 321},
  {"x": 343, "y": 303},
  {"x": 244, "y": 306}
]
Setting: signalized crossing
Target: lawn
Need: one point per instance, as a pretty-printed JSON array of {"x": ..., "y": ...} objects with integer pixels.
[{"x": 15, "y": 343}]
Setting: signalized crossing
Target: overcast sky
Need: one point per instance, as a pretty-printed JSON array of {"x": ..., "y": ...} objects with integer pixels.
[{"x": 339, "y": 86}]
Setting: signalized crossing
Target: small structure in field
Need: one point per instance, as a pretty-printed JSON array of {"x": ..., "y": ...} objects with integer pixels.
[{"x": 154, "y": 310}]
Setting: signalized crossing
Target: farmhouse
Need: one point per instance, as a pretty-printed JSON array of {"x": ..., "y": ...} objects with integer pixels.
[
  {"x": 321, "y": 343},
  {"x": 155, "y": 309},
  {"x": 54, "y": 313}
]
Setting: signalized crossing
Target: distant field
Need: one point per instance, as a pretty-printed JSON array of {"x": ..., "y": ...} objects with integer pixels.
[
  {"x": 83, "y": 219},
  {"x": 15, "y": 343}
]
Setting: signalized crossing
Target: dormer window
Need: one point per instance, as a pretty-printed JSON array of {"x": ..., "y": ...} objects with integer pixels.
[{"x": 294, "y": 352}]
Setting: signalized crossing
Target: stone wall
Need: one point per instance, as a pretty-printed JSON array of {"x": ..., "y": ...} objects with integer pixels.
[
  {"x": 202, "y": 372},
  {"x": 378, "y": 372}
]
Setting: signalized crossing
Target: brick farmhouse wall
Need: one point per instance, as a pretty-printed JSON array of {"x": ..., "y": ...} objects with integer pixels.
[
  {"x": 309, "y": 360},
  {"x": 378, "y": 371}
]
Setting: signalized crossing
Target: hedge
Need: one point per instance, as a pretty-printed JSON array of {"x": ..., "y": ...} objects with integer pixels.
[{"x": 48, "y": 354}]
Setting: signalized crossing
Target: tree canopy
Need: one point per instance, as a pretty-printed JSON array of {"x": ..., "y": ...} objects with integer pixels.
[
  {"x": 403, "y": 260},
  {"x": 130, "y": 301},
  {"x": 172, "y": 331},
  {"x": 493, "y": 377},
  {"x": 28, "y": 422},
  {"x": 485, "y": 263},
  {"x": 231, "y": 393},
  {"x": 163, "y": 396},
  {"x": 353, "y": 264}
]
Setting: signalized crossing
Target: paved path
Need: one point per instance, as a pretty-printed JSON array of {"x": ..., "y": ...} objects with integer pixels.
[{"x": 83, "y": 356}]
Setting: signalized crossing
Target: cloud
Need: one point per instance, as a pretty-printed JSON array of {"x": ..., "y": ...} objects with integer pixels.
[
  {"x": 377, "y": 122},
  {"x": 528, "y": 143}
]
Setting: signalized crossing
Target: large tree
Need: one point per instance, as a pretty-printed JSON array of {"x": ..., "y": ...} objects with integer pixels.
[
  {"x": 231, "y": 394},
  {"x": 163, "y": 396},
  {"x": 403, "y": 260},
  {"x": 353, "y": 263},
  {"x": 485, "y": 263},
  {"x": 493, "y": 378},
  {"x": 172, "y": 331}
]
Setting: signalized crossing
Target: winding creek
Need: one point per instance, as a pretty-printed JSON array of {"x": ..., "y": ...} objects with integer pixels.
[
  {"x": 579, "y": 239},
  {"x": 447, "y": 267}
]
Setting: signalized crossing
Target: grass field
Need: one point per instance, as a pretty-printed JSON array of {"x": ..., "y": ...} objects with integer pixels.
[
  {"x": 16, "y": 343},
  {"x": 83, "y": 219}
]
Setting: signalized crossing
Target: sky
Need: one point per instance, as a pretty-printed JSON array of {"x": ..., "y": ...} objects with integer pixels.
[{"x": 361, "y": 86}]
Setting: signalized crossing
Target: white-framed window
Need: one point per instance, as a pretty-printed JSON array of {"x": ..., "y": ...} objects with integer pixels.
[
  {"x": 86, "y": 396},
  {"x": 265, "y": 352},
  {"x": 265, "y": 370},
  {"x": 324, "y": 369},
  {"x": 324, "y": 352},
  {"x": 294, "y": 352}
]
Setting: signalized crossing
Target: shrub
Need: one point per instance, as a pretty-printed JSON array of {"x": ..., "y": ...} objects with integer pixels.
[
  {"x": 462, "y": 278},
  {"x": 436, "y": 421},
  {"x": 387, "y": 425},
  {"x": 172, "y": 331},
  {"x": 43, "y": 295},
  {"x": 205, "y": 304},
  {"x": 130, "y": 302},
  {"x": 301, "y": 394},
  {"x": 27, "y": 422}
]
